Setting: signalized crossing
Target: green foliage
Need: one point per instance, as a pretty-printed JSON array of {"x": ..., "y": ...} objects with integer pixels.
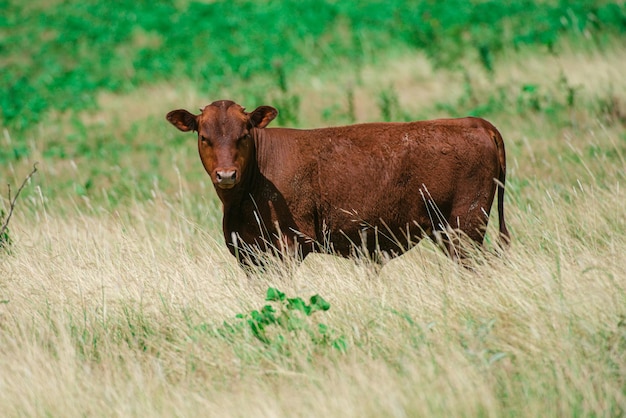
[
  {"x": 390, "y": 108},
  {"x": 523, "y": 99},
  {"x": 276, "y": 325},
  {"x": 58, "y": 57},
  {"x": 336, "y": 112},
  {"x": 388, "y": 104}
]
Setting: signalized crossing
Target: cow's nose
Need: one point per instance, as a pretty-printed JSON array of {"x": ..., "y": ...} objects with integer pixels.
[{"x": 226, "y": 177}]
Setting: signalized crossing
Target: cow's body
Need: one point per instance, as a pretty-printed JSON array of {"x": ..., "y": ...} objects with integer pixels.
[{"x": 378, "y": 187}]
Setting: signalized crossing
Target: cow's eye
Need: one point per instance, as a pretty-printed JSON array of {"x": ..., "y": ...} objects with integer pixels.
[{"x": 206, "y": 140}]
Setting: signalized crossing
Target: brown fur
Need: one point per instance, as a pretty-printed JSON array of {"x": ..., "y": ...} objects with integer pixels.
[{"x": 376, "y": 187}]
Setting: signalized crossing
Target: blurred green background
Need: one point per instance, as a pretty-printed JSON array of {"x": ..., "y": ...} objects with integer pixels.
[
  {"x": 85, "y": 84},
  {"x": 58, "y": 54}
]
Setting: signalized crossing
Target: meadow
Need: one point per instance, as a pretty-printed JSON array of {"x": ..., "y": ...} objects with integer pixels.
[{"x": 118, "y": 296}]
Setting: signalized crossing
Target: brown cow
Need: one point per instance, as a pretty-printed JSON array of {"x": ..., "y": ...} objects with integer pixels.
[{"x": 373, "y": 188}]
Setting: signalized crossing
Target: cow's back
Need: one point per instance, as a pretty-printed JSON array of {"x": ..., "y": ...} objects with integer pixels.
[{"x": 394, "y": 180}]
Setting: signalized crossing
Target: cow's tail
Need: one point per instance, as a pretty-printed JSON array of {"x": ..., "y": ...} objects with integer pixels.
[{"x": 504, "y": 232}]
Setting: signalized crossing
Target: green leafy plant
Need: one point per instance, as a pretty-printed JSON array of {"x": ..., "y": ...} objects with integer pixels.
[{"x": 275, "y": 324}]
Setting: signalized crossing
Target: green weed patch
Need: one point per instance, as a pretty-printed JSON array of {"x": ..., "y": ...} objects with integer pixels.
[{"x": 279, "y": 323}]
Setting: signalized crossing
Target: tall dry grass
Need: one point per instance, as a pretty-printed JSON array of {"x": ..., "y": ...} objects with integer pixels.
[{"x": 121, "y": 311}]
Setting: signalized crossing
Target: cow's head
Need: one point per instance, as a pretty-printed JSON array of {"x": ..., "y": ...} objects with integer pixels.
[{"x": 225, "y": 141}]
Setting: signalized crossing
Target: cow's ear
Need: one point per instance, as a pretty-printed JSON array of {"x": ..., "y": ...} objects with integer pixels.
[
  {"x": 183, "y": 120},
  {"x": 262, "y": 116}
]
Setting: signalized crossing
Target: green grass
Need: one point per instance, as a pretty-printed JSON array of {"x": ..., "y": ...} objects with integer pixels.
[
  {"x": 119, "y": 298},
  {"x": 56, "y": 58}
]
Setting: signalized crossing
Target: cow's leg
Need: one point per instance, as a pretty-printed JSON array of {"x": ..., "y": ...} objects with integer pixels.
[
  {"x": 448, "y": 240},
  {"x": 467, "y": 227}
]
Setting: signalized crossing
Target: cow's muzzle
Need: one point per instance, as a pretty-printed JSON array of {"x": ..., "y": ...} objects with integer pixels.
[{"x": 226, "y": 179}]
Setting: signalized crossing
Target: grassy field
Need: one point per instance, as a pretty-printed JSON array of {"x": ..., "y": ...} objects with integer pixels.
[{"x": 119, "y": 298}]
